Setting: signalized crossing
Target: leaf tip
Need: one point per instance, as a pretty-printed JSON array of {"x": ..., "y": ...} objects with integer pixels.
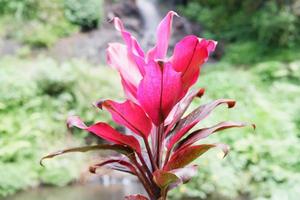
[
  {"x": 201, "y": 92},
  {"x": 92, "y": 169},
  {"x": 231, "y": 103},
  {"x": 99, "y": 104},
  {"x": 75, "y": 121},
  {"x": 173, "y": 13},
  {"x": 225, "y": 148},
  {"x": 41, "y": 162}
]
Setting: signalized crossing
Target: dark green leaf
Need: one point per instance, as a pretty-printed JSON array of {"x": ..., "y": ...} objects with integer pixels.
[{"x": 164, "y": 178}]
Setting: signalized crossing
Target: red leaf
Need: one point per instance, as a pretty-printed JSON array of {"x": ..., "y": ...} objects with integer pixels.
[
  {"x": 115, "y": 147},
  {"x": 205, "y": 132},
  {"x": 130, "y": 115},
  {"x": 194, "y": 117},
  {"x": 159, "y": 90},
  {"x": 136, "y": 197},
  {"x": 187, "y": 155},
  {"x": 162, "y": 36},
  {"x": 121, "y": 162},
  {"x": 106, "y": 132}
]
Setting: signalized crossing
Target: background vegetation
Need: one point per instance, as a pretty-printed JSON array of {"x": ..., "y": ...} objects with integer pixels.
[
  {"x": 254, "y": 30},
  {"x": 260, "y": 69},
  {"x": 33, "y": 109},
  {"x": 263, "y": 164},
  {"x": 41, "y": 23}
]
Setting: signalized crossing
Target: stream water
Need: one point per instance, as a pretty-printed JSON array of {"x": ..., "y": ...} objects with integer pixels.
[{"x": 78, "y": 192}]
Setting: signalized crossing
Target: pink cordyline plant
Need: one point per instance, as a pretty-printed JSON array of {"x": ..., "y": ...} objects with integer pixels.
[{"x": 158, "y": 91}]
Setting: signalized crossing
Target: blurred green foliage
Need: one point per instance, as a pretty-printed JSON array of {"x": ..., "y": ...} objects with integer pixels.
[
  {"x": 263, "y": 164},
  {"x": 35, "y": 99},
  {"x": 249, "y": 52},
  {"x": 276, "y": 25},
  {"x": 255, "y": 27},
  {"x": 33, "y": 22},
  {"x": 85, "y": 13},
  {"x": 41, "y": 23},
  {"x": 20, "y": 8}
]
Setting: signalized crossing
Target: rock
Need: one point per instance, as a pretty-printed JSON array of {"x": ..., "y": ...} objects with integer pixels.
[
  {"x": 125, "y": 8},
  {"x": 9, "y": 47}
]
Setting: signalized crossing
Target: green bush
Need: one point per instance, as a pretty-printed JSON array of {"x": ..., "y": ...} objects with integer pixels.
[
  {"x": 33, "y": 22},
  {"x": 85, "y": 13},
  {"x": 275, "y": 27},
  {"x": 250, "y": 52},
  {"x": 219, "y": 20},
  {"x": 263, "y": 164},
  {"x": 266, "y": 27},
  {"x": 271, "y": 21},
  {"x": 245, "y": 52},
  {"x": 273, "y": 71},
  {"x": 40, "y": 35},
  {"x": 20, "y": 8},
  {"x": 33, "y": 109}
]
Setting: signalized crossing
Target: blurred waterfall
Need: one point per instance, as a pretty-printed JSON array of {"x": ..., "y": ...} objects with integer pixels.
[{"x": 151, "y": 17}]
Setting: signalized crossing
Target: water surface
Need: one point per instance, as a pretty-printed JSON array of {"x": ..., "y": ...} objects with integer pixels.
[{"x": 78, "y": 192}]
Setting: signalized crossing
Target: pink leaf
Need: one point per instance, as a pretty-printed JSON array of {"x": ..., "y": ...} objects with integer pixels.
[
  {"x": 193, "y": 118},
  {"x": 117, "y": 57},
  {"x": 189, "y": 54},
  {"x": 187, "y": 155},
  {"x": 106, "y": 132},
  {"x": 134, "y": 49},
  {"x": 159, "y": 90},
  {"x": 130, "y": 115},
  {"x": 162, "y": 36}
]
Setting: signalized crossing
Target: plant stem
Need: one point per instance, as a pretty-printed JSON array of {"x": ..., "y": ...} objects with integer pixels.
[
  {"x": 146, "y": 183},
  {"x": 160, "y": 133},
  {"x": 145, "y": 168},
  {"x": 164, "y": 195},
  {"x": 167, "y": 157},
  {"x": 154, "y": 166}
]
